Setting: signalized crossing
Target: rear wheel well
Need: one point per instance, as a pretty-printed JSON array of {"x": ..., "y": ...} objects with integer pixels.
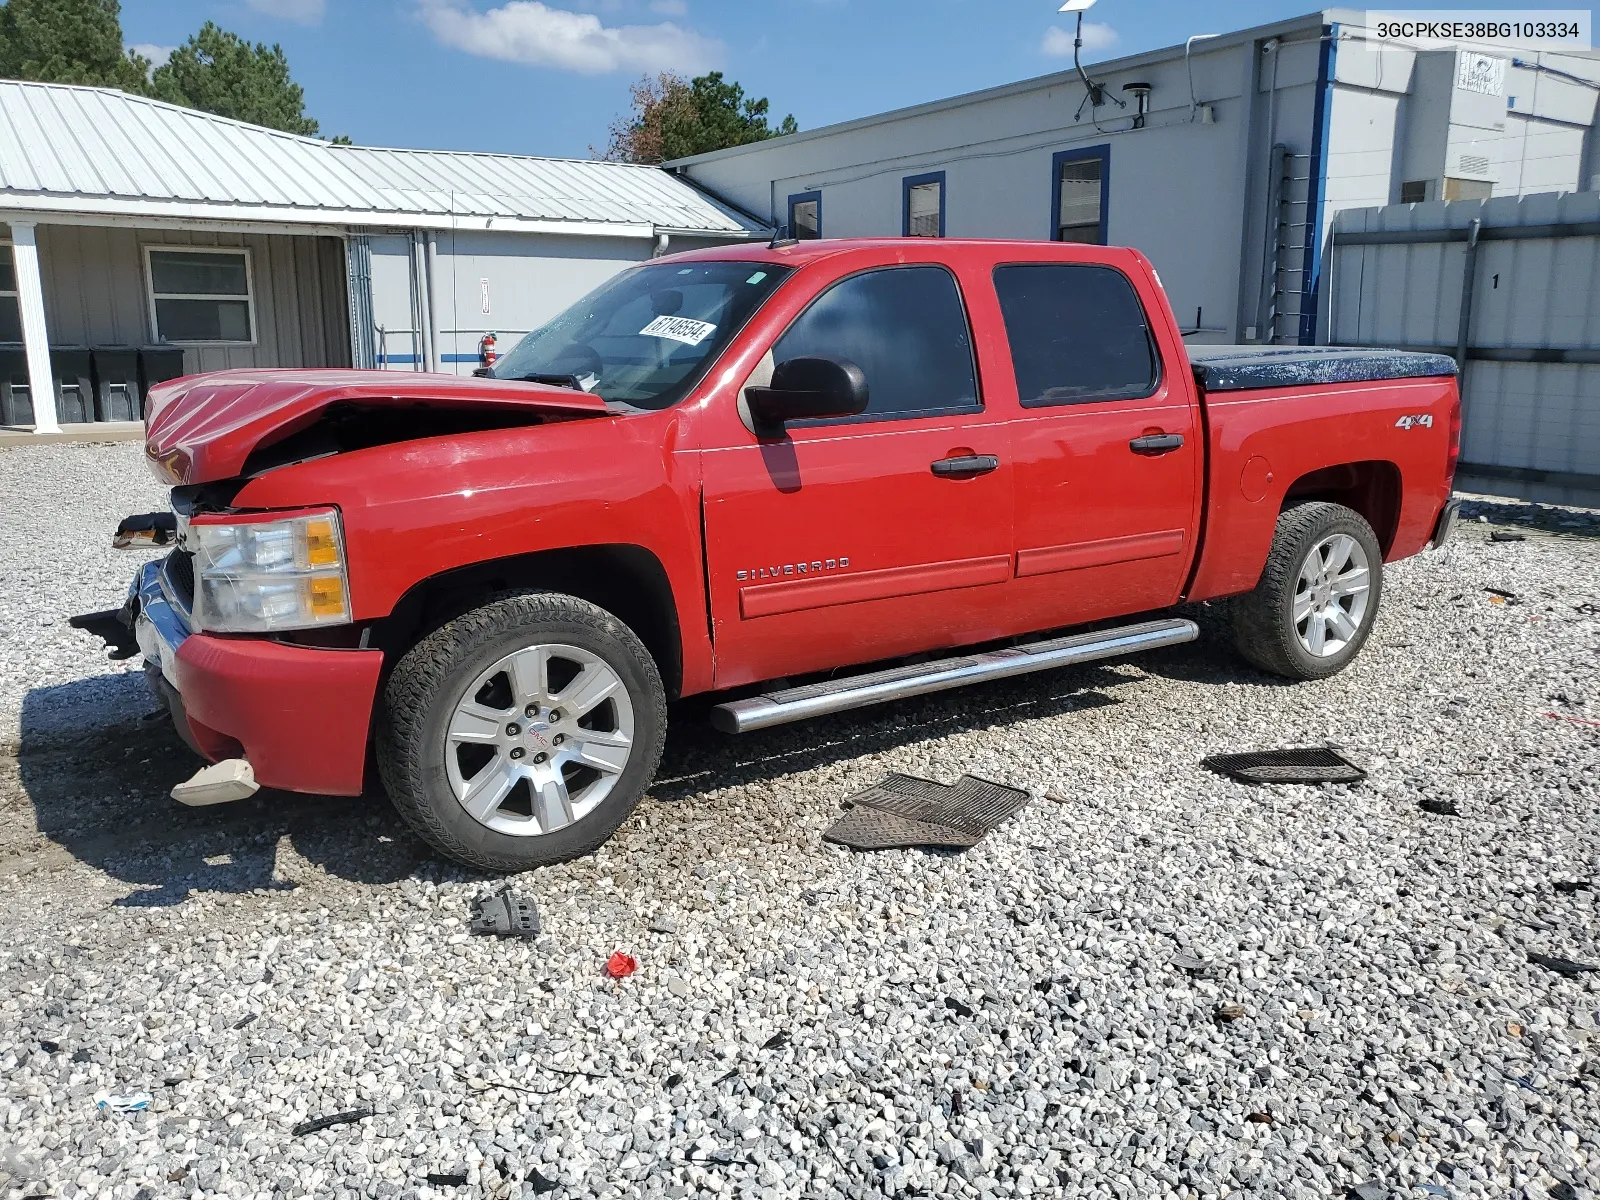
[
  {"x": 627, "y": 581},
  {"x": 1370, "y": 488}
]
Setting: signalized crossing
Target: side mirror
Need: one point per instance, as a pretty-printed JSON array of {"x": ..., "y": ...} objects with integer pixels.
[{"x": 807, "y": 388}]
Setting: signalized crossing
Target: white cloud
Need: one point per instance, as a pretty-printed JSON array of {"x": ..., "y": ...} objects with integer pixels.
[
  {"x": 670, "y": 8},
  {"x": 526, "y": 31},
  {"x": 304, "y": 12},
  {"x": 1096, "y": 37},
  {"x": 157, "y": 55}
]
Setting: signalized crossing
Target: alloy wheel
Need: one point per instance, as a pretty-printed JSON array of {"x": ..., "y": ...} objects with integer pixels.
[
  {"x": 1331, "y": 595},
  {"x": 539, "y": 739}
]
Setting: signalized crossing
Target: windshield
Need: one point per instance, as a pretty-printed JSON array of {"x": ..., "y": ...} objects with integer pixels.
[{"x": 648, "y": 335}]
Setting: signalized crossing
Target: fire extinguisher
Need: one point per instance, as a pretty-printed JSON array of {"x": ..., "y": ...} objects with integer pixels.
[{"x": 486, "y": 351}]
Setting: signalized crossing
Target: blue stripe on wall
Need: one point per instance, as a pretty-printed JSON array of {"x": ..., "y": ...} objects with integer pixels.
[{"x": 1317, "y": 195}]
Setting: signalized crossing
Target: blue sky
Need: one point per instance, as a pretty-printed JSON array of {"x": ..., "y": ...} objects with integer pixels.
[{"x": 532, "y": 77}]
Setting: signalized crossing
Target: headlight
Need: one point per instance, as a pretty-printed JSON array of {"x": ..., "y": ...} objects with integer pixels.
[{"x": 261, "y": 575}]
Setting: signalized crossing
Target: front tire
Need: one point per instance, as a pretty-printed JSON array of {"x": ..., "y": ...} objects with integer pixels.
[
  {"x": 1318, "y": 596},
  {"x": 521, "y": 733}
]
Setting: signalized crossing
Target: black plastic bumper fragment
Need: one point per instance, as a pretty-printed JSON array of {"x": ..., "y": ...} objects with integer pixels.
[
  {"x": 1446, "y": 522},
  {"x": 1313, "y": 764},
  {"x": 114, "y": 625}
]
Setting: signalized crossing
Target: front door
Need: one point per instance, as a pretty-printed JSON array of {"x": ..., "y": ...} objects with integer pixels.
[
  {"x": 868, "y": 537},
  {"x": 1107, "y": 447}
]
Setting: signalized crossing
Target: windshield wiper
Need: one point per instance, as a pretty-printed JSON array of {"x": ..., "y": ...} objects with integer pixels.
[{"x": 566, "y": 381}]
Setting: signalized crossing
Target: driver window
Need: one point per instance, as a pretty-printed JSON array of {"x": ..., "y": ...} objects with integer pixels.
[{"x": 906, "y": 328}]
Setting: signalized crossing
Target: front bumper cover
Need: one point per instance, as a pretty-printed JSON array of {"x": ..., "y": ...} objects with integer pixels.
[{"x": 299, "y": 714}]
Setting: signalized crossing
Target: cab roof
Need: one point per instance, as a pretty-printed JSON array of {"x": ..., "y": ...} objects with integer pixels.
[{"x": 802, "y": 253}]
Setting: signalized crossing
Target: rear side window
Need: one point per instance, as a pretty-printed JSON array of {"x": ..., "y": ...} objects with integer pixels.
[
  {"x": 1078, "y": 334},
  {"x": 905, "y": 327}
]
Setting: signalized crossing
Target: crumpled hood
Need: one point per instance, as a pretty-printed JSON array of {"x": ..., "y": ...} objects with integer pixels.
[{"x": 202, "y": 428}]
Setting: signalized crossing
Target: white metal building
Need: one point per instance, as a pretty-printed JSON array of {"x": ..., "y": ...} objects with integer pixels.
[
  {"x": 1226, "y": 166},
  {"x": 139, "y": 241}
]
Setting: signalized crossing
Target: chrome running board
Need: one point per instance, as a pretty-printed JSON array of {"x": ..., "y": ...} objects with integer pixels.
[{"x": 858, "y": 691}]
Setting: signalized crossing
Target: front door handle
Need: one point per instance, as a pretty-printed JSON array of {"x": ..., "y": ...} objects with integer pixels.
[
  {"x": 1156, "y": 443},
  {"x": 965, "y": 466}
]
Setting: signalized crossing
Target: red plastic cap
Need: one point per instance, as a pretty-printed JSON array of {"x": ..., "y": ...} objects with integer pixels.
[{"x": 620, "y": 965}]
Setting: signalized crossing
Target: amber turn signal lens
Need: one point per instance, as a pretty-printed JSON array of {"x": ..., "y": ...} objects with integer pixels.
[
  {"x": 324, "y": 596},
  {"x": 322, "y": 545}
]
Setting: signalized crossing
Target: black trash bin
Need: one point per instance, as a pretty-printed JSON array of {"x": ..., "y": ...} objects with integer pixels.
[
  {"x": 117, "y": 395},
  {"x": 157, "y": 364},
  {"x": 16, "y": 401},
  {"x": 74, "y": 386}
]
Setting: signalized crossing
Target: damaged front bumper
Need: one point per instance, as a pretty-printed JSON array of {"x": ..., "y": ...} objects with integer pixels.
[
  {"x": 160, "y": 626},
  {"x": 299, "y": 715}
]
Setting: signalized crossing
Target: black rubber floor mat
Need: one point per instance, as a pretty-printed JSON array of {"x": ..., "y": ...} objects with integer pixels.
[
  {"x": 903, "y": 811},
  {"x": 1314, "y": 764}
]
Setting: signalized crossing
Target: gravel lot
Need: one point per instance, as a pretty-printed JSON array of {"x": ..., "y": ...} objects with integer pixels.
[{"x": 1038, "y": 1015}]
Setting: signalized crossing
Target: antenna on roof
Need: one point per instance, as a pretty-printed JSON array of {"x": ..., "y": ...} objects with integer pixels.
[
  {"x": 781, "y": 238},
  {"x": 1097, "y": 93}
]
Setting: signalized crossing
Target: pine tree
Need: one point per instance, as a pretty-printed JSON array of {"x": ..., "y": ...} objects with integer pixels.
[
  {"x": 221, "y": 73},
  {"x": 69, "y": 41}
]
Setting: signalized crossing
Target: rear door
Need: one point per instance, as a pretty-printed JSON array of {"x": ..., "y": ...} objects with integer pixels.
[
  {"x": 868, "y": 537},
  {"x": 1107, "y": 445}
]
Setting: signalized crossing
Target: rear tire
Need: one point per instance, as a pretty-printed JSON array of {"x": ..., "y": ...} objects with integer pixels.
[
  {"x": 1318, "y": 596},
  {"x": 521, "y": 733}
]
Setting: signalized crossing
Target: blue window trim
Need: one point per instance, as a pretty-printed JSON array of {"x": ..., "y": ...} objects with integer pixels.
[
  {"x": 911, "y": 181},
  {"x": 801, "y": 198},
  {"x": 1317, "y": 196},
  {"x": 1103, "y": 153}
]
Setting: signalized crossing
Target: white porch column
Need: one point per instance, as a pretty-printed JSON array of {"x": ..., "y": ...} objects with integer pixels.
[{"x": 35, "y": 337}]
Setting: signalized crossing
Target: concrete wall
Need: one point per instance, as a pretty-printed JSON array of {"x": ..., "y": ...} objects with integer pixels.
[{"x": 96, "y": 293}]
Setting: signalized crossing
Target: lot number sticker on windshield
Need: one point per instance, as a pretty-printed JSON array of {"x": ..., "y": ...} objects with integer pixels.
[{"x": 680, "y": 329}]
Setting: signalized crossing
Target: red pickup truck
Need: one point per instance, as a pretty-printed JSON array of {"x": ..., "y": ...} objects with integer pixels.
[{"x": 768, "y": 472}]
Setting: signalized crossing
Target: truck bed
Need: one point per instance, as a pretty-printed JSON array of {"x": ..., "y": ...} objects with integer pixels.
[{"x": 1246, "y": 368}]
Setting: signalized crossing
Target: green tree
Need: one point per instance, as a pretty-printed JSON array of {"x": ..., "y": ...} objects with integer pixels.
[
  {"x": 672, "y": 117},
  {"x": 68, "y": 41},
  {"x": 219, "y": 72}
]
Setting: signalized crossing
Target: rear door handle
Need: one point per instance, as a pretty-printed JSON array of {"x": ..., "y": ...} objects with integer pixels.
[
  {"x": 964, "y": 466},
  {"x": 1156, "y": 443}
]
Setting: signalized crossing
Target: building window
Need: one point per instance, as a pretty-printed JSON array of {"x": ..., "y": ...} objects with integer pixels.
[
  {"x": 1414, "y": 191},
  {"x": 805, "y": 215},
  {"x": 1467, "y": 189},
  {"x": 923, "y": 205},
  {"x": 200, "y": 295},
  {"x": 1081, "y": 179},
  {"x": 10, "y": 314}
]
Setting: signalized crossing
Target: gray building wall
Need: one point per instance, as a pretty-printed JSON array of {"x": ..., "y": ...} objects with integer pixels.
[
  {"x": 96, "y": 293},
  {"x": 522, "y": 279},
  {"x": 1193, "y": 194},
  {"x": 1180, "y": 187}
]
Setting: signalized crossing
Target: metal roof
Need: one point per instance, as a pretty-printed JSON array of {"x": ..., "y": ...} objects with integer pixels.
[{"x": 83, "y": 150}]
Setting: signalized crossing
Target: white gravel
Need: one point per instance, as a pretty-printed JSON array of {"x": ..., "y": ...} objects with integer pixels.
[{"x": 1038, "y": 1015}]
